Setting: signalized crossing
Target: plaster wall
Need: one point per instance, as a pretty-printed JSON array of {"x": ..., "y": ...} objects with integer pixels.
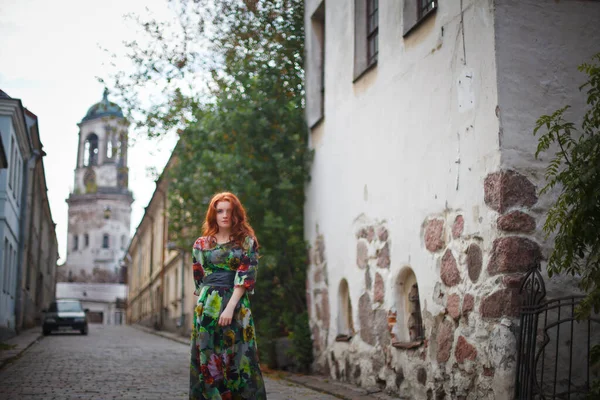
[
  {"x": 407, "y": 179},
  {"x": 425, "y": 165},
  {"x": 538, "y": 48},
  {"x": 10, "y": 208},
  {"x": 88, "y": 218}
]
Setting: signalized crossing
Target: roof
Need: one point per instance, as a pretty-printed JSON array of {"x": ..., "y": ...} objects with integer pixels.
[
  {"x": 102, "y": 292},
  {"x": 104, "y": 108}
]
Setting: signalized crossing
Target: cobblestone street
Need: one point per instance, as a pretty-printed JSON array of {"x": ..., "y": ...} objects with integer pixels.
[{"x": 113, "y": 362}]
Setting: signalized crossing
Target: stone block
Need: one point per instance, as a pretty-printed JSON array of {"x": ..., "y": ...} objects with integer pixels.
[
  {"x": 514, "y": 254},
  {"x": 464, "y": 350},
  {"x": 449, "y": 271},
  {"x": 382, "y": 234},
  {"x": 434, "y": 235},
  {"x": 513, "y": 281},
  {"x": 325, "y": 307},
  {"x": 468, "y": 304},
  {"x": 504, "y": 302},
  {"x": 362, "y": 253},
  {"x": 422, "y": 376},
  {"x": 506, "y": 189},
  {"x": 453, "y": 306},
  {"x": 516, "y": 221},
  {"x": 458, "y": 226},
  {"x": 474, "y": 261},
  {"x": 365, "y": 317},
  {"x": 383, "y": 257},
  {"x": 379, "y": 289},
  {"x": 445, "y": 338}
]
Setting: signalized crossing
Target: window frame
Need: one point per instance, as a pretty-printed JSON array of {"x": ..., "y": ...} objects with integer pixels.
[
  {"x": 372, "y": 15},
  {"x": 414, "y": 16}
]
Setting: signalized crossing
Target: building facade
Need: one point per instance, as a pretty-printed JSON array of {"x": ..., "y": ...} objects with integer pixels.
[
  {"x": 104, "y": 302},
  {"x": 160, "y": 276},
  {"x": 30, "y": 250},
  {"x": 422, "y": 211},
  {"x": 100, "y": 204}
]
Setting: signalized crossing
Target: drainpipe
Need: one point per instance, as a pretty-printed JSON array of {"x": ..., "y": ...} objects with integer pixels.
[
  {"x": 22, "y": 213},
  {"x": 182, "y": 319},
  {"x": 172, "y": 246},
  {"x": 162, "y": 257}
]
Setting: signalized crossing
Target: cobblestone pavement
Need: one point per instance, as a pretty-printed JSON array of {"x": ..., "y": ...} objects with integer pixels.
[{"x": 113, "y": 362}]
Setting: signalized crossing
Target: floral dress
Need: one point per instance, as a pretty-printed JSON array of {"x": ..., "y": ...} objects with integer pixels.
[{"x": 224, "y": 360}]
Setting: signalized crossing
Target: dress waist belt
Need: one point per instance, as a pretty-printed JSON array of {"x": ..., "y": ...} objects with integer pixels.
[{"x": 220, "y": 278}]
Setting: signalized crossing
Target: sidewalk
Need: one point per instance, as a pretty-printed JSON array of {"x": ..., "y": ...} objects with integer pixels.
[
  {"x": 12, "y": 348},
  {"x": 319, "y": 383}
]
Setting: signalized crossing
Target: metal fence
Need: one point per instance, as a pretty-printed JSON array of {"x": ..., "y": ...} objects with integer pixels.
[{"x": 553, "y": 353}]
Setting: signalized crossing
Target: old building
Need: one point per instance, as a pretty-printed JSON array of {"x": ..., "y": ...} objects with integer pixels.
[
  {"x": 422, "y": 210},
  {"x": 159, "y": 274},
  {"x": 105, "y": 301},
  {"x": 100, "y": 204},
  {"x": 40, "y": 250},
  {"x": 30, "y": 250}
]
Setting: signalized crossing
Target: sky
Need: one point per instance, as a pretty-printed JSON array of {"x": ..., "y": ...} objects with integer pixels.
[{"x": 51, "y": 55}]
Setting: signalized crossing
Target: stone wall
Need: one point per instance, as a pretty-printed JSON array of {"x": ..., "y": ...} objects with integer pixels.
[{"x": 468, "y": 350}]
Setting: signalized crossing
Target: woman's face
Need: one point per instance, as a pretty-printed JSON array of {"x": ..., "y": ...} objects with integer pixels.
[{"x": 224, "y": 210}]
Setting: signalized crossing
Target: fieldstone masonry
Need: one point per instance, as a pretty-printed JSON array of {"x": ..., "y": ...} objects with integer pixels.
[{"x": 469, "y": 345}]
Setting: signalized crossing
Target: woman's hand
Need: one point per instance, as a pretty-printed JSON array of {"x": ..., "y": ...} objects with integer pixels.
[{"x": 226, "y": 316}]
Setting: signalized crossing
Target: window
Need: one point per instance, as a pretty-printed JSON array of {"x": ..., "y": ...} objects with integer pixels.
[
  {"x": 425, "y": 6},
  {"x": 75, "y": 242},
  {"x": 90, "y": 154},
  {"x": 5, "y": 266},
  {"x": 12, "y": 155},
  {"x": 372, "y": 31},
  {"x": 123, "y": 242},
  {"x": 366, "y": 36},
  {"x": 408, "y": 328},
  {"x": 109, "y": 148},
  {"x": 316, "y": 67},
  {"x": 345, "y": 323},
  {"x": 86, "y": 240},
  {"x": 416, "y": 11},
  {"x": 105, "y": 241},
  {"x": 18, "y": 180}
]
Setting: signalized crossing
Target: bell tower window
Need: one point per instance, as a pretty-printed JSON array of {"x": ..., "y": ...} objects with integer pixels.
[
  {"x": 109, "y": 149},
  {"x": 90, "y": 155},
  {"x": 105, "y": 241}
]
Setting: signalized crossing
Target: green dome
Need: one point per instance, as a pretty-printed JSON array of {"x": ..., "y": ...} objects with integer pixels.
[{"x": 104, "y": 108}]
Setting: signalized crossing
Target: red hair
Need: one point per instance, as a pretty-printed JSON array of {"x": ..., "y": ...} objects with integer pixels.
[{"x": 240, "y": 228}]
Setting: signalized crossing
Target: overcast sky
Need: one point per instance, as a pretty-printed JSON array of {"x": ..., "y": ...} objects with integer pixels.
[{"x": 50, "y": 60}]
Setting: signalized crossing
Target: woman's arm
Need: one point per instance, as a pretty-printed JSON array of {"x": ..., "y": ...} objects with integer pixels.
[{"x": 227, "y": 314}]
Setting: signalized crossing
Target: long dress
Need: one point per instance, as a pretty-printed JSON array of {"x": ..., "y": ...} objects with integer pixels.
[{"x": 224, "y": 360}]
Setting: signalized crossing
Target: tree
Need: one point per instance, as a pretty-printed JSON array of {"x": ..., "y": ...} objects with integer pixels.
[
  {"x": 575, "y": 216},
  {"x": 245, "y": 133},
  {"x": 575, "y": 170}
]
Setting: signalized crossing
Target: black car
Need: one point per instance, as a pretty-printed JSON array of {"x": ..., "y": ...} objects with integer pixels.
[{"x": 65, "y": 315}]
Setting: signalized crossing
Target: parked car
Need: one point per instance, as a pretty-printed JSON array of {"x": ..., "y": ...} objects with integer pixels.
[{"x": 65, "y": 315}]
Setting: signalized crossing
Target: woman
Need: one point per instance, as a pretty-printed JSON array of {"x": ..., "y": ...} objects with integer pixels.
[{"x": 224, "y": 362}]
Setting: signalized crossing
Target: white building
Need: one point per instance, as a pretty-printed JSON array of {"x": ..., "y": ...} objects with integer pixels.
[
  {"x": 100, "y": 205},
  {"x": 103, "y": 300},
  {"x": 422, "y": 209}
]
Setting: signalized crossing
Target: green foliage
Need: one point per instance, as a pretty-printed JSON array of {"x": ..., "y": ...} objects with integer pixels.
[
  {"x": 246, "y": 135},
  {"x": 301, "y": 351},
  {"x": 574, "y": 172}
]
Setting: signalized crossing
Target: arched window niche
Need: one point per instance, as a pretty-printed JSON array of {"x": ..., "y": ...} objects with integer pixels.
[
  {"x": 408, "y": 330},
  {"x": 344, "y": 320},
  {"x": 90, "y": 151},
  {"x": 109, "y": 148}
]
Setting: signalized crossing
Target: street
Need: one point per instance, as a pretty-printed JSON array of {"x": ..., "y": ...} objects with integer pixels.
[{"x": 113, "y": 362}]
